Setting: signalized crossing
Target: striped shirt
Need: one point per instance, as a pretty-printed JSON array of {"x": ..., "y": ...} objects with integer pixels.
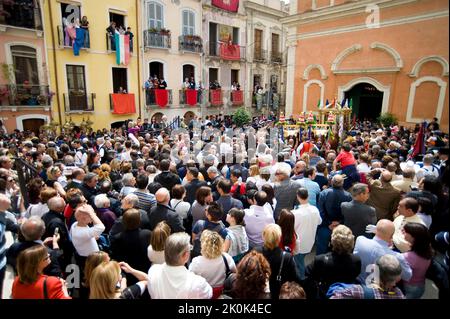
[
  {"x": 357, "y": 292},
  {"x": 146, "y": 200}
]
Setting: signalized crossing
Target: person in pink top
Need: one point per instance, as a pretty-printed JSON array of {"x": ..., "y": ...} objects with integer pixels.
[{"x": 419, "y": 258}]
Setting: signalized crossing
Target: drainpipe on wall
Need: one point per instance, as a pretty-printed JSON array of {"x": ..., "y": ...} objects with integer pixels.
[
  {"x": 138, "y": 56},
  {"x": 54, "y": 62}
]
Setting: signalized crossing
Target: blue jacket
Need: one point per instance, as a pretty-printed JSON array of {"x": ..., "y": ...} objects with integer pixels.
[{"x": 329, "y": 206}]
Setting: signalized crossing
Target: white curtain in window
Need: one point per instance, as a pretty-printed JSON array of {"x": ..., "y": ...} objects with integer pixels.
[
  {"x": 155, "y": 15},
  {"x": 188, "y": 22}
]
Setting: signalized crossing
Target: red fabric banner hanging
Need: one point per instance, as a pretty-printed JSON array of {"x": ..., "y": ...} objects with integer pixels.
[
  {"x": 229, "y": 5},
  {"x": 162, "y": 97},
  {"x": 237, "y": 97},
  {"x": 230, "y": 51},
  {"x": 216, "y": 97},
  {"x": 191, "y": 97},
  {"x": 123, "y": 103}
]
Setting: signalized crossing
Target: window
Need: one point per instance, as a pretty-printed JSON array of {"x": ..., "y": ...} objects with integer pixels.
[
  {"x": 76, "y": 84},
  {"x": 258, "y": 44},
  {"x": 155, "y": 15},
  {"x": 275, "y": 43},
  {"x": 234, "y": 76},
  {"x": 188, "y": 22},
  {"x": 213, "y": 75},
  {"x": 235, "y": 35},
  {"x": 119, "y": 79},
  {"x": 25, "y": 64},
  {"x": 119, "y": 19},
  {"x": 157, "y": 69},
  {"x": 188, "y": 72}
]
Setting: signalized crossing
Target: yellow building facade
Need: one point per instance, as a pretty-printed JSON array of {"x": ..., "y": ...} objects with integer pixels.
[{"x": 84, "y": 84}]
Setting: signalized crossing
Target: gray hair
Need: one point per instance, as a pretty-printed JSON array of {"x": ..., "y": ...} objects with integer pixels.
[
  {"x": 133, "y": 199},
  {"x": 151, "y": 169},
  {"x": 286, "y": 171},
  {"x": 212, "y": 169},
  {"x": 337, "y": 181},
  {"x": 389, "y": 267},
  {"x": 140, "y": 162},
  {"x": 47, "y": 161},
  {"x": 101, "y": 201},
  {"x": 69, "y": 160},
  {"x": 176, "y": 245},
  {"x": 359, "y": 189},
  {"x": 88, "y": 177},
  {"x": 409, "y": 172},
  {"x": 56, "y": 204},
  {"x": 127, "y": 178},
  {"x": 33, "y": 228},
  {"x": 100, "y": 140}
]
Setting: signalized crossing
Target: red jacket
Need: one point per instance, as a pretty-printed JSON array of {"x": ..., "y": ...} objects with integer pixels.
[{"x": 36, "y": 289}]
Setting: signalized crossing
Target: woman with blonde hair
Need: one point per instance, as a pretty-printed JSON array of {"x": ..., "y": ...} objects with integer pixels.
[
  {"x": 254, "y": 176},
  {"x": 103, "y": 174},
  {"x": 155, "y": 250},
  {"x": 281, "y": 263},
  {"x": 115, "y": 173},
  {"x": 305, "y": 158},
  {"x": 107, "y": 282},
  {"x": 31, "y": 283},
  {"x": 339, "y": 265},
  {"x": 92, "y": 261},
  {"x": 53, "y": 173},
  {"x": 213, "y": 264}
]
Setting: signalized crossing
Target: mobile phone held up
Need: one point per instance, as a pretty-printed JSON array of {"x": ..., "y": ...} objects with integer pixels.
[{"x": 56, "y": 231}]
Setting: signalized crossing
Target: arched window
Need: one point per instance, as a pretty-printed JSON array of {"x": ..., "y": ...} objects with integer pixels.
[
  {"x": 155, "y": 13},
  {"x": 25, "y": 64},
  {"x": 188, "y": 22}
]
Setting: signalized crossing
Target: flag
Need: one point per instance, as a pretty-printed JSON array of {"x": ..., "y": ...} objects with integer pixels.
[
  {"x": 343, "y": 102},
  {"x": 228, "y": 5},
  {"x": 78, "y": 42},
  {"x": 341, "y": 126},
  {"x": 122, "y": 49},
  {"x": 329, "y": 134},
  {"x": 327, "y": 104},
  {"x": 419, "y": 144},
  {"x": 350, "y": 104},
  {"x": 318, "y": 104}
]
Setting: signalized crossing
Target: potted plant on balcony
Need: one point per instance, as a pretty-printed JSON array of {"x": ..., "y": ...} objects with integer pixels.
[
  {"x": 153, "y": 30},
  {"x": 42, "y": 99},
  {"x": 23, "y": 99},
  {"x": 164, "y": 31}
]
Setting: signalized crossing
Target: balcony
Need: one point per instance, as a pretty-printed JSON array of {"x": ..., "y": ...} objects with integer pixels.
[
  {"x": 157, "y": 39},
  {"x": 21, "y": 15},
  {"x": 190, "y": 43},
  {"x": 225, "y": 51},
  {"x": 216, "y": 97},
  {"x": 237, "y": 98},
  {"x": 122, "y": 103},
  {"x": 276, "y": 57},
  {"x": 66, "y": 37},
  {"x": 25, "y": 95},
  {"x": 155, "y": 97},
  {"x": 79, "y": 101},
  {"x": 191, "y": 97},
  {"x": 260, "y": 56}
]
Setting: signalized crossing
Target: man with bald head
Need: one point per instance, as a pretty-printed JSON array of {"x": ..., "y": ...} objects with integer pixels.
[
  {"x": 163, "y": 212},
  {"x": 32, "y": 230},
  {"x": 54, "y": 221},
  {"x": 383, "y": 196},
  {"x": 369, "y": 250}
]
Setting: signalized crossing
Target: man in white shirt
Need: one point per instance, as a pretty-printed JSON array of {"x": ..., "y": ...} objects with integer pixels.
[
  {"x": 172, "y": 280},
  {"x": 84, "y": 238},
  {"x": 256, "y": 218},
  {"x": 406, "y": 184},
  {"x": 428, "y": 168},
  {"x": 407, "y": 213},
  {"x": 307, "y": 219}
]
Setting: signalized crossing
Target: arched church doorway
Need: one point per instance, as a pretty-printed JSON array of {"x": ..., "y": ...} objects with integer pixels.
[{"x": 367, "y": 101}]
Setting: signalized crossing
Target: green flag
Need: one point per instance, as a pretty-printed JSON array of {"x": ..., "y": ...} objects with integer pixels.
[
  {"x": 350, "y": 104},
  {"x": 318, "y": 104}
]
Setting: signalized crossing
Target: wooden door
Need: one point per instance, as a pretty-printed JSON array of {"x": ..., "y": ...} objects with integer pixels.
[
  {"x": 33, "y": 125},
  {"x": 258, "y": 44}
]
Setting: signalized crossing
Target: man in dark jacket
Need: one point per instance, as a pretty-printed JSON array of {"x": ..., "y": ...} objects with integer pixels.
[
  {"x": 329, "y": 206},
  {"x": 226, "y": 201},
  {"x": 32, "y": 230},
  {"x": 128, "y": 202},
  {"x": 193, "y": 184},
  {"x": 357, "y": 215},
  {"x": 131, "y": 244},
  {"x": 89, "y": 187},
  {"x": 162, "y": 211},
  {"x": 166, "y": 178},
  {"x": 215, "y": 177},
  {"x": 54, "y": 219},
  {"x": 77, "y": 179}
]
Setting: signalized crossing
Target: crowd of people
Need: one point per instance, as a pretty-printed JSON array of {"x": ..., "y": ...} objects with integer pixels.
[{"x": 212, "y": 210}]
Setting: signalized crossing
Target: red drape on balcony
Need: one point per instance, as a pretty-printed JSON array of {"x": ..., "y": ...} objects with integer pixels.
[
  {"x": 191, "y": 97},
  {"x": 216, "y": 97},
  {"x": 229, "y": 51},
  {"x": 162, "y": 97},
  {"x": 123, "y": 103},
  {"x": 229, "y": 5},
  {"x": 237, "y": 97}
]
